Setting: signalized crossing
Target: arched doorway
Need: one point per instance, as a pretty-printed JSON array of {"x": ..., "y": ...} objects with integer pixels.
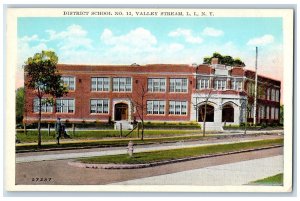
[
  {"x": 210, "y": 113},
  {"x": 227, "y": 113},
  {"x": 121, "y": 111}
]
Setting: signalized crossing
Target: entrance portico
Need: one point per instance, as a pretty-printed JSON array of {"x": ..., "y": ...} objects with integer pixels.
[{"x": 121, "y": 110}]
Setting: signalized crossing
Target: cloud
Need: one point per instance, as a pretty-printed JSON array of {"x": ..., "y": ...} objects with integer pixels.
[
  {"x": 174, "y": 47},
  {"x": 74, "y": 37},
  {"x": 138, "y": 38},
  {"x": 264, "y": 40},
  {"x": 209, "y": 31},
  {"x": 25, "y": 39},
  {"x": 187, "y": 35}
]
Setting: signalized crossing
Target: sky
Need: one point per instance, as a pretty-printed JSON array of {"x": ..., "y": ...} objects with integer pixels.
[{"x": 153, "y": 40}]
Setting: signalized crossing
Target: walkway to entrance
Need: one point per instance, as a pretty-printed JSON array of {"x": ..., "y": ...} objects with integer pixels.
[{"x": 121, "y": 111}]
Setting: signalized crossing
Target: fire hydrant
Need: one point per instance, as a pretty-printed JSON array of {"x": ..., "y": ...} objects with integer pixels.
[{"x": 130, "y": 148}]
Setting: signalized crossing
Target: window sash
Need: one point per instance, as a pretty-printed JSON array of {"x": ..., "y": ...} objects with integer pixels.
[
  {"x": 220, "y": 84},
  {"x": 122, "y": 84},
  {"x": 156, "y": 84},
  {"x": 178, "y": 85},
  {"x": 156, "y": 107},
  {"x": 69, "y": 82},
  {"x": 178, "y": 107},
  {"x": 45, "y": 107},
  {"x": 100, "y": 83},
  {"x": 99, "y": 106},
  {"x": 65, "y": 105},
  {"x": 237, "y": 85}
]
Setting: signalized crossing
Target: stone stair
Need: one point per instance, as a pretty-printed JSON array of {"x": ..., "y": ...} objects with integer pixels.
[
  {"x": 210, "y": 126},
  {"x": 126, "y": 125}
]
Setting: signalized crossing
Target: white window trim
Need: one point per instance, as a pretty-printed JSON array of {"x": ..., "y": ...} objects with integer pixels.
[
  {"x": 34, "y": 106},
  {"x": 234, "y": 85},
  {"x": 73, "y": 77},
  {"x": 97, "y": 90},
  {"x": 119, "y": 85},
  {"x": 61, "y": 99},
  {"x": 181, "y": 103},
  {"x": 205, "y": 80},
  {"x": 181, "y": 86},
  {"x": 160, "y": 86},
  {"x": 216, "y": 84},
  {"x": 158, "y": 107},
  {"x": 100, "y": 113}
]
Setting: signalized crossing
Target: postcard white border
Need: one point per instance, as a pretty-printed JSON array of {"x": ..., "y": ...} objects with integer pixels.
[{"x": 11, "y": 49}]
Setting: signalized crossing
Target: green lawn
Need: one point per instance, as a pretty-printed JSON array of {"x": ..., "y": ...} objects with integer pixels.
[
  {"x": 273, "y": 180},
  {"x": 154, "y": 156},
  {"x": 108, "y": 142},
  {"x": 100, "y": 134}
]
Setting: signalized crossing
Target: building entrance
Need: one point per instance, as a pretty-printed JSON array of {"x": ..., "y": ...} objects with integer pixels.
[{"x": 121, "y": 111}]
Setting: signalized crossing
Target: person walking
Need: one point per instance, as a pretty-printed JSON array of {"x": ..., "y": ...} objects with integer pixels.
[{"x": 58, "y": 129}]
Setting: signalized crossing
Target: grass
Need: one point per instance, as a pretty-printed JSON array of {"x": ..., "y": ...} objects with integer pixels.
[
  {"x": 155, "y": 156},
  {"x": 105, "y": 143},
  {"x": 31, "y": 136},
  {"x": 273, "y": 180}
]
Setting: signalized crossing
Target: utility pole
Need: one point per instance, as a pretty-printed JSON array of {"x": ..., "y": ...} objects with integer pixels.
[{"x": 255, "y": 89}]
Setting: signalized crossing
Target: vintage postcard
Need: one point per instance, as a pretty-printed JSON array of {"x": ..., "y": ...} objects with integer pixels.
[{"x": 149, "y": 99}]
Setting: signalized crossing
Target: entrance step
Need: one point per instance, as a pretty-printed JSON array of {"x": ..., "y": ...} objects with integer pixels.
[
  {"x": 126, "y": 125},
  {"x": 209, "y": 126}
]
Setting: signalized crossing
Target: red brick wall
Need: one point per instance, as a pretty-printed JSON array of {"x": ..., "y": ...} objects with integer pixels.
[{"x": 83, "y": 93}]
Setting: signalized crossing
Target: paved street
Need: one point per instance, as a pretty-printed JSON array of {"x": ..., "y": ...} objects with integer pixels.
[
  {"x": 69, "y": 154},
  {"x": 221, "y": 175},
  {"x": 63, "y": 174}
]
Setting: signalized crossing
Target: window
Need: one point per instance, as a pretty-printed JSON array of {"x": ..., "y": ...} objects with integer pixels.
[
  {"x": 277, "y": 95},
  {"x": 100, "y": 84},
  {"x": 65, "y": 105},
  {"x": 178, "y": 107},
  {"x": 46, "y": 107},
  {"x": 157, "y": 84},
  {"x": 156, "y": 107},
  {"x": 268, "y": 94},
  {"x": 203, "y": 83},
  {"x": 237, "y": 85},
  {"x": 268, "y": 113},
  {"x": 69, "y": 82},
  {"x": 272, "y": 112},
  {"x": 273, "y": 95},
  {"x": 178, "y": 85},
  {"x": 262, "y": 112},
  {"x": 99, "y": 106},
  {"x": 220, "y": 84},
  {"x": 121, "y": 84}
]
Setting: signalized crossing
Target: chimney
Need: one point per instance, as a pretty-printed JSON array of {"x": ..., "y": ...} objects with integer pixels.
[{"x": 214, "y": 61}]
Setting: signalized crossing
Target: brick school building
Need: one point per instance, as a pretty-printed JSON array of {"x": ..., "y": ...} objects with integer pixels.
[{"x": 164, "y": 92}]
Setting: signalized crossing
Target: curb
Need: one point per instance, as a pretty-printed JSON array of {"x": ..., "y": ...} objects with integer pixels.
[
  {"x": 149, "y": 143},
  {"x": 146, "y": 165}
]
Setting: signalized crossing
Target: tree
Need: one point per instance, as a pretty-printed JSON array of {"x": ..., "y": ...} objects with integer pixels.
[
  {"x": 19, "y": 105},
  {"x": 44, "y": 80},
  {"x": 138, "y": 101},
  {"x": 224, "y": 59}
]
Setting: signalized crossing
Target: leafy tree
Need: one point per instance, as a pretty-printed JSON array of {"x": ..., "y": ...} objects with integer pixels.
[
  {"x": 44, "y": 80},
  {"x": 19, "y": 104},
  {"x": 224, "y": 59}
]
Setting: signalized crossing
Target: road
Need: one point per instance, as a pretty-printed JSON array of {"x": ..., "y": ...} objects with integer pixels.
[{"x": 62, "y": 174}]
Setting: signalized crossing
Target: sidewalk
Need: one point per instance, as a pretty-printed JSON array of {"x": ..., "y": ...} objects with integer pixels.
[
  {"x": 232, "y": 174},
  {"x": 123, "y": 150}
]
